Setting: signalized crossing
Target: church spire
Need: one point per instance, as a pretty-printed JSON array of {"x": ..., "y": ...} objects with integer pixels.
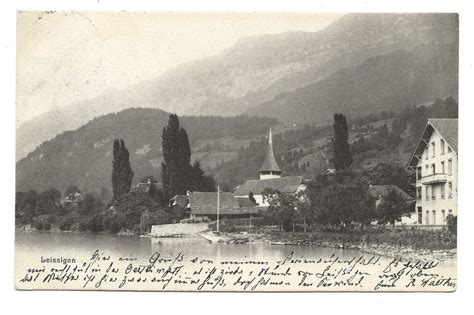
[{"x": 270, "y": 168}]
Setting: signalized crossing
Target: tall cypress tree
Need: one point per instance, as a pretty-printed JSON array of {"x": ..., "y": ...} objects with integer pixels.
[
  {"x": 176, "y": 158},
  {"x": 342, "y": 154},
  {"x": 115, "y": 168},
  {"x": 177, "y": 175},
  {"x": 126, "y": 170},
  {"x": 122, "y": 173}
]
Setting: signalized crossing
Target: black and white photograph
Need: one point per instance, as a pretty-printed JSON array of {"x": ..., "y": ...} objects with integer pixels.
[{"x": 236, "y": 151}]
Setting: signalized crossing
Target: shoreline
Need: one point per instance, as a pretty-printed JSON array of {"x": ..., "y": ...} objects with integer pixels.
[{"x": 403, "y": 252}]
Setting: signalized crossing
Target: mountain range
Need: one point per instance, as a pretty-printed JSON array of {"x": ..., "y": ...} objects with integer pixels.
[
  {"x": 83, "y": 157},
  {"x": 359, "y": 64}
]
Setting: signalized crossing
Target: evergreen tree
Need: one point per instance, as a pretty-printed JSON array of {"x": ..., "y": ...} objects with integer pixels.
[
  {"x": 115, "y": 168},
  {"x": 122, "y": 173},
  {"x": 342, "y": 154},
  {"x": 126, "y": 169},
  {"x": 178, "y": 176},
  {"x": 176, "y": 158}
]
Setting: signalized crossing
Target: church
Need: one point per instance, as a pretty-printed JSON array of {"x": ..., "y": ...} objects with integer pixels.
[
  {"x": 269, "y": 177},
  {"x": 238, "y": 204}
]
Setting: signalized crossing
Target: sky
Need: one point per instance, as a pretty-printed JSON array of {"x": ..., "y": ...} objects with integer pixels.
[{"x": 65, "y": 57}]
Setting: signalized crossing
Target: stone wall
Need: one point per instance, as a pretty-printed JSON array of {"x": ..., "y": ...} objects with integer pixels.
[{"x": 178, "y": 228}]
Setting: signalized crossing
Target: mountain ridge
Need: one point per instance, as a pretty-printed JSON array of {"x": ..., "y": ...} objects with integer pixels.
[{"x": 253, "y": 71}]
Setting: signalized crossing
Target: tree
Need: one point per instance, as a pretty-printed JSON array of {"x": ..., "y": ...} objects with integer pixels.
[
  {"x": 282, "y": 207},
  {"x": 178, "y": 176},
  {"x": 452, "y": 224},
  {"x": 48, "y": 201},
  {"x": 90, "y": 205},
  {"x": 131, "y": 208},
  {"x": 25, "y": 205},
  {"x": 392, "y": 174},
  {"x": 122, "y": 173},
  {"x": 176, "y": 158},
  {"x": 252, "y": 198},
  {"x": 71, "y": 190},
  {"x": 342, "y": 154},
  {"x": 303, "y": 207},
  {"x": 391, "y": 208},
  {"x": 340, "y": 199},
  {"x": 199, "y": 180}
]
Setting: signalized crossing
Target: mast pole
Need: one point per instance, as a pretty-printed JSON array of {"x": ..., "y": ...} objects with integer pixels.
[{"x": 218, "y": 196}]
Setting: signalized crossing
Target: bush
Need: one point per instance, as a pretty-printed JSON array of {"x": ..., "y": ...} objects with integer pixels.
[
  {"x": 46, "y": 226},
  {"x": 66, "y": 223},
  {"x": 38, "y": 225},
  {"x": 94, "y": 224},
  {"x": 452, "y": 224}
]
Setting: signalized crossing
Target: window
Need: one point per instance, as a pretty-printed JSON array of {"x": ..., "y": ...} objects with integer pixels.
[
  {"x": 433, "y": 149},
  {"x": 442, "y": 167},
  {"x": 433, "y": 216},
  {"x": 450, "y": 190},
  {"x": 427, "y": 193},
  {"x": 443, "y": 190},
  {"x": 442, "y": 146},
  {"x": 426, "y": 153},
  {"x": 450, "y": 167},
  {"x": 450, "y": 212},
  {"x": 418, "y": 192},
  {"x": 420, "y": 216},
  {"x": 433, "y": 168},
  {"x": 418, "y": 173},
  {"x": 427, "y": 217},
  {"x": 433, "y": 192},
  {"x": 443, "y": 216},
  {"x": 427, "y": 169}
]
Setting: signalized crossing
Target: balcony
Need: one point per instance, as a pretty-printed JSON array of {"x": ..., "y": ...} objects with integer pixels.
[{"x": 433, "y": 179}]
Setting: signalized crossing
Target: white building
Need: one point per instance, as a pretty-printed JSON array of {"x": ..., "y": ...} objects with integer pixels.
[
  {"x": 435, "y": 161},
  {"x": 269, "y": 177}
]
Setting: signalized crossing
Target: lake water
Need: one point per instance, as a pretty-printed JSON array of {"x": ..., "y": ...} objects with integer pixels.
[
  {"x": 32, "y": 248},
  {"x": 35, "y": 245}
]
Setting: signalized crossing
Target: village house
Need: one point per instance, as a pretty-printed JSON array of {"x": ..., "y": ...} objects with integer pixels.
[
  {"x": 239, "y": 204},
  {"x": 144, "y": 188},
  {"x": 199, "y": 205},
  {"x": 380, "y": 192},
  {"x": 435, "y": 163},
  {"x": 269, "y": 177},
  {"x": 73, "y": 198}
]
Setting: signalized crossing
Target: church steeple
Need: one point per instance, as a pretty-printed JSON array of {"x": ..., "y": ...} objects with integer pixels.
[{"x": 270, "y": 168}]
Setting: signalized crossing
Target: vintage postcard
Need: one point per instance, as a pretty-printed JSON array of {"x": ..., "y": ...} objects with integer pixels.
[{"x": 247, "y": 152}]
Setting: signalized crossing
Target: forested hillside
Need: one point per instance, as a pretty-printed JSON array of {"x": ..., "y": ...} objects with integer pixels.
[
  {"x": 83, "y": 157},
  {"x": 386, "y": 136}
]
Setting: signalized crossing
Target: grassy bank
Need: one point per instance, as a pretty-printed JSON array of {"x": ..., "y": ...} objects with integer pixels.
[{"x": 413, "y": 238}]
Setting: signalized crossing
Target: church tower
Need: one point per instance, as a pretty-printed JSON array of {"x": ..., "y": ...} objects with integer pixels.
[{"x": 270, "y": 167}]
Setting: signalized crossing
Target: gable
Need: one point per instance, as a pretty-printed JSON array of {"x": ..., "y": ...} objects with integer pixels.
[
  {"x": 256, "y": 186},
  {"x": 447, "y": 128}
]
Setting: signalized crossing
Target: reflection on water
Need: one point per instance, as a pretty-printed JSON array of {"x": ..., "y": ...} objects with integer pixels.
[{"x": 35, "y": 245}]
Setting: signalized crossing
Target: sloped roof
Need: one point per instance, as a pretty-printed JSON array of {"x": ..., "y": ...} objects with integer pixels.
[
  {"x": 270, "y": 164},
  {"x": 206, "y": 202},
  {"x": 141, "y": 188},
  {"x": 329, "y": 171},
  {"x": 384, "y": 190},
  {"x": 227, "y": 211},
  {"x": 256, "y": 186},
  {"x": 446, "y": 127},
  {"x": 245, "y": 202},
  {"x": 180, "y": 200}
]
